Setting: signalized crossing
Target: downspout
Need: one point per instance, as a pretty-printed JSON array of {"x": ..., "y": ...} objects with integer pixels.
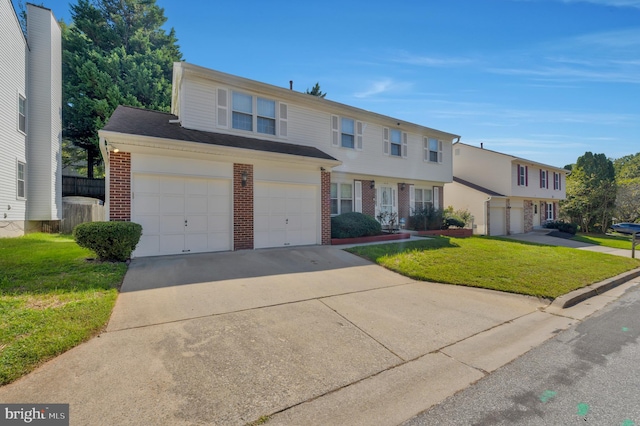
[{"x": 105, "y": 157}]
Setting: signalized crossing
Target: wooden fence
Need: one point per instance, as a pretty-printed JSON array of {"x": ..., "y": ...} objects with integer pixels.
[
  {"x": 75, "y": 214},
  {"x": 84, "y": 187}
]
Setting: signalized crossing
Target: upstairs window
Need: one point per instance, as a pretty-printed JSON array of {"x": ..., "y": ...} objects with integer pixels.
[
  {"x": 242, "y": 112},
  {"x": 544, "y": 179},
  {"x": 523, "y": 178},
  {"x": 348, "y": 133},
  {"x": 432, "y": 150},
  {"x": 396, "y": 142},
  {"x": 21, "y": 175},
  {"x": 22, "y": 114},
  {"x": 266, "y": 116},
  {"x": 556, "y": 181}
]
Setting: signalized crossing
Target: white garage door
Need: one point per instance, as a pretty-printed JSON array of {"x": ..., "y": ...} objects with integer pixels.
[
  {"x": 284, "y": 215},
  {"x": 517, "y": 220},
  {"x": 497, "y": 221},
  {"x": 181, "y": 215}
]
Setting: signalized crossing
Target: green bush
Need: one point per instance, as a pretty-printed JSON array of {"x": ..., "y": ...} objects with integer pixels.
[
  {"x": 353, "y": 225},
  {"x": 570, "y": 228},
  {"x": 453, "y": 221},
  {"x": 112, "y": 241}
]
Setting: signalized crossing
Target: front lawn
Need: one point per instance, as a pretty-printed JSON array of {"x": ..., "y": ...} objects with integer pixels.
[
  {"x": 51, "y": 299},
  {"x": 614, "y": 241},
  {"x": 498, "y": 264}
]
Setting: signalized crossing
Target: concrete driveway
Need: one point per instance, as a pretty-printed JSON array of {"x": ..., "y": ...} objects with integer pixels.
[
  {"x": 543, "y": 237},
  {"x": 309, "y": 335}
]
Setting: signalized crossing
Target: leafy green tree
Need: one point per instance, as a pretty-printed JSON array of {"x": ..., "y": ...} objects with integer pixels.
[
  {"x": 591, "y": 193},
  {"x": 628, "y": 196},
  {"x": 114, "y": 52},
  {"x": 315, "y": 91}
]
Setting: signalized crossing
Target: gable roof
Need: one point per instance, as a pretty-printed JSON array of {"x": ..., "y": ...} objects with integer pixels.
[
  {"x": 477, "y": 187},
  {"x": 512, "y": 157},
  {"x": 156, "y": 124}
]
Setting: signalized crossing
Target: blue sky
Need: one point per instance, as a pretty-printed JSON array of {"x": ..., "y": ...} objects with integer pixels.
[{"x": 546, "y": 80}]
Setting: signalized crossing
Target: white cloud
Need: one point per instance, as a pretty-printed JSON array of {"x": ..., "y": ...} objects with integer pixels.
[
  {"x": 430, "y": 61},
  {"x": 382, "y": 86}
]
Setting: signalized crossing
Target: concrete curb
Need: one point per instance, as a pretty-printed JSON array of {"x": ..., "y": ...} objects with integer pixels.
[{"x": 582, "y": 294}]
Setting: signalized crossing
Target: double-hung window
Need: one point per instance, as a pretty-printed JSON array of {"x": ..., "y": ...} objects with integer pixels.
[
  {"x": 550, "y": 211},
  {"x": 242, "y": 107},
  {"x": 348, "y": 133},
  {"x": 556, "y": 181},
  {"x": 544, "y": 179},
  {"x": 523, "y": 179},
  {"x": 396, "y": 143},
  {"x": 423, "y": 199},
  {"x": 432, "y": 150},
  {"x": 249, "y": 112},
  {"x": 22, "y": 114},
  {"x": 21, "y": 177},
  {"x": 266, "y": 116},
  {"x": 341, "y": 198}
]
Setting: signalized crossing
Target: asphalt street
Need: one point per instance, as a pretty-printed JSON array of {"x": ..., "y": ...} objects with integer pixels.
[{"x": 587, "y": 375}]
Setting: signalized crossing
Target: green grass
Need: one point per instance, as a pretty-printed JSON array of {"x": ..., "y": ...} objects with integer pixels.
[
  {"x": 498, "y": 264},
  {"x": 51, "y": 299},
  {"x": 619, "y": 242}
]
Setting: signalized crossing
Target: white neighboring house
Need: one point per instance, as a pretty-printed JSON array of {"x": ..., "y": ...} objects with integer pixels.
[
  {"x": 240, "y": 164},
  {"x": 31, "y": 121},
  {"x": 505, "y": 194}
]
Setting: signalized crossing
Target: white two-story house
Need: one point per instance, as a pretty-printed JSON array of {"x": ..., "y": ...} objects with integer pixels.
[
  {"x": 240, "y": 164},
  {"x": 505, "y": 194},
  {"x": 30, "y": 122}
]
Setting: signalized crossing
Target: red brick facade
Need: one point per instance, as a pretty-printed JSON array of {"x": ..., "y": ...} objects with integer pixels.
[
  {"x": 120, "y": 186},
  {"x": 368, "y": 198},
  {"x": 242, "y": 207},
  {"x": 325, "y": 207},
  {"x": 404, "y": 209},
  {"x": 528, "y": 215}
]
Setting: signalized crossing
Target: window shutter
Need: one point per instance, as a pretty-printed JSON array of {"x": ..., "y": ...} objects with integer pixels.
[
  {"x": 518, "y": 174},
  {"x": 526, "y": 175},
  {"x": 223, "y": 108},
  {"x": 412, "y": 198},
  {"x": 393, "y": 197},
  {"x": 555, "y": 213},
  {"x": 358, "y": 195},
  {"x": 359, "y": 131},
  {"x": 335, "y": 130},
  {"x": 439, "y": 151},
  {"x": 385, "y": 141},
  {"x": 559, "y": 180},
  {"x": 284, "y": 120},
  {"x": 405, "y": 145},
  {"x": 436, "y": 197}
]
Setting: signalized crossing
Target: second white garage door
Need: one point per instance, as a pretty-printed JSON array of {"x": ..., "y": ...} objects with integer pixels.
[
  {"x": 285, "y": 215},
  {"x": 497, "y": 221},
  {"x": 181, "y": 215},
  {"x": 517, "y": 220}
]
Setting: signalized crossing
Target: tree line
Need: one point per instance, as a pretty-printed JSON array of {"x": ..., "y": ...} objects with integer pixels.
[{"x": 601, "y": 191}]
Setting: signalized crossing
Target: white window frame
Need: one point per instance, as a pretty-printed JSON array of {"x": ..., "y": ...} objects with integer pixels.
[
  {"x": 544, "y": 179},
  {"x": 549, "y": 211},
  {"x": 339, "y": 199},
  {"x": 395, "y": 141},
  {"x": 22, "y": 114},
  {"x": 424, "y": 203},
  {"x": 344, "y": 132},
  {"x": 556, "y": 181},
  {"x": 522, "y": 175},
  {"x": 20, "y": 180},
  {"x": 279, "y": 119},
  {"x": 428, "y": 151},
  {"x": 337, "y": 132}
]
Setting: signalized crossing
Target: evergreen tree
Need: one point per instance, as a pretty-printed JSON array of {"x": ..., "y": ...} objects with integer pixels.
[
  {"x": 315, "y": 91},
  {"x": 114, "y": 52}
]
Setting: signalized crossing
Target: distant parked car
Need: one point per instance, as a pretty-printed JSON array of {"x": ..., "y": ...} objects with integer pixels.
[{"x": 627, "y": 228}]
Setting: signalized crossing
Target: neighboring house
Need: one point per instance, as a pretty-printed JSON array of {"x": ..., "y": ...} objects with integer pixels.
[
  {"x": 31, "y": 122},
  {"x": 240, "y": 164},
  {"x": 505, "y": 194}
]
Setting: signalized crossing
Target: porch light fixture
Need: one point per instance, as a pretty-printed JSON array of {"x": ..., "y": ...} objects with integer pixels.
[
  {"x": 402, "y": 186},
  {"x": 244, "y": 178},
  {"x": 322, "y": 169},
  {"x": 372, "y": 184}
]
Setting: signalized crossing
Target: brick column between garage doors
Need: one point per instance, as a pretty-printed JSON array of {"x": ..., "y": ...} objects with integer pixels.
[
  {"x": 325, "y": 207},
  {"x": 120, "y": 186},
  {"x": 242, "y": 207}
]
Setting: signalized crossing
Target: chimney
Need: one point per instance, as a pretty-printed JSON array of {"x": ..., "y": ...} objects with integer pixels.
[
  {"x": 290, "y": 84},
  {"x": 481, "y": 145}
]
